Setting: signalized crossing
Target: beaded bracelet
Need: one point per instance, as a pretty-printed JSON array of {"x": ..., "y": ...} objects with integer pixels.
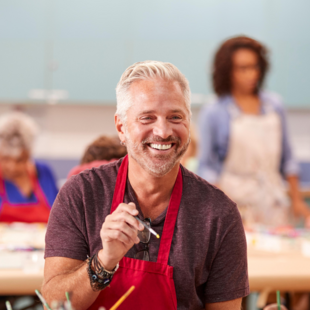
[{"x": 100, "y": 278}]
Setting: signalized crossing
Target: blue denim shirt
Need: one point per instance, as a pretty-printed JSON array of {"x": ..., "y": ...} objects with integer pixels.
[{"x": 214, "y": 131}]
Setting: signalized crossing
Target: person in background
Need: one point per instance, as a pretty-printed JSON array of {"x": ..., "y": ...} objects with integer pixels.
[
  {"x": 100, "y": 152},
  {"x": 244, "y": 146},
  {"x": 27, "y": 188},
  {"x": 189, "y": 160}
]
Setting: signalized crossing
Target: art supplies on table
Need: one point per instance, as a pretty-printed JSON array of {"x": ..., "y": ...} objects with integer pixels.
[{"x": 279, "y": 240}]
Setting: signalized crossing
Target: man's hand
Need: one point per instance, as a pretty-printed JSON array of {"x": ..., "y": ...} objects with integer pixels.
[{"x": 119, "y": 234}]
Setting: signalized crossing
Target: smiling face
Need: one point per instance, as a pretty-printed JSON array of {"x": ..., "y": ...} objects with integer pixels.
[{"x": 156, "y": 132}]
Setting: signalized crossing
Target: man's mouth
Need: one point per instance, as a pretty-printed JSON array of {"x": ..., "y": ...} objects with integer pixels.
[{"x": 161, "y": 146}]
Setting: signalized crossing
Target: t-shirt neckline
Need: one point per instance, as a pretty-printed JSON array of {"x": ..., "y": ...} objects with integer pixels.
[{"x": 132, "y": 196}]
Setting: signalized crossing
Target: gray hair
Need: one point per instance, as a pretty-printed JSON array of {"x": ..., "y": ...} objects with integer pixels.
[
  {"x": 147, "y": 70},
  {"x": 17, "y": 133}
]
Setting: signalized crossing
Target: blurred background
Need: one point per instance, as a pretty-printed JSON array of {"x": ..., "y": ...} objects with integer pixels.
[{"x": 61, "y": 60}]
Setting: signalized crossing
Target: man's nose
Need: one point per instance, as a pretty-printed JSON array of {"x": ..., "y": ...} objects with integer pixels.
[{"x": 162, "y": 128}]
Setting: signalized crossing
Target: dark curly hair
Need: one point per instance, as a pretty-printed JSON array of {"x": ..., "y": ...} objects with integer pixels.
[
  {"x": 222, "y": 64},
  {"x": 104, "y": 148}
]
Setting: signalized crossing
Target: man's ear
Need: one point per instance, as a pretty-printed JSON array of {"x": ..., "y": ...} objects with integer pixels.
[{"x": 120, "y": 127}]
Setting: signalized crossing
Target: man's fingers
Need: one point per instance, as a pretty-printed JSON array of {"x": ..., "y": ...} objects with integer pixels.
[
  {"x": 114, "y": 234},
  {"x": 129, "y": 219},
  {"x": 129, "y": 208},
  {"x": 123, "y": 227}
]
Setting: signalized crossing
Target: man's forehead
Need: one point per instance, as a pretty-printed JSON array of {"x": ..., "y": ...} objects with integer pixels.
[
  {"x": 154, "y": 85},
  {"x": 157, "y": 95}
]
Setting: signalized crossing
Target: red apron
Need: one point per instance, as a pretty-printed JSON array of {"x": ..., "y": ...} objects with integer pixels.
[
  {"x": 154, "y": 285},
  {"x": 33, "y": 212}
]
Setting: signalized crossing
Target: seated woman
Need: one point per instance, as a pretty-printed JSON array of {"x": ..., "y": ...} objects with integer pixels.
[
  {"x": 27, "y": 188},
  {"x": 244, "y": 146},
  {"x": 100, "y": 152}
]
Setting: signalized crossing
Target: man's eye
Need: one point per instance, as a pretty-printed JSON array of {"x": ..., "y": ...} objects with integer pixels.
[
  {"x": 176, "y": 117},
  {"x": 146, "y": 119}
]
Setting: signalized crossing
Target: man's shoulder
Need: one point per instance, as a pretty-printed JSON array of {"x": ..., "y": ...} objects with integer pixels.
[{"x": 207, "y": 198}]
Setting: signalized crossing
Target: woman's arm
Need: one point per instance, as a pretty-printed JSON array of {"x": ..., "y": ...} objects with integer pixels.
[
  {"x": 210, "y": 165},
  {"x": 290, "y": 170},
  {"x": 300, "y": 208}
]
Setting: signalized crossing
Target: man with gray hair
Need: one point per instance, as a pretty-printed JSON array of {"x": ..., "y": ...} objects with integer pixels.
[{"x": 99, "y": 242}]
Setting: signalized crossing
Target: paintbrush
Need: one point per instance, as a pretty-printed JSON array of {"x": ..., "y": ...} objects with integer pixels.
[
  {"x": 149, "y": 228},
  {"x": 8, "y": 305},
  {"x": 43, "y": 300}
]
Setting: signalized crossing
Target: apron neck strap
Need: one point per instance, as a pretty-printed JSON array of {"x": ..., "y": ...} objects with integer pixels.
[
  {"x": 120, "y": 185},
  {"x": 2, "y": 190},
  {"x": 171, "y": 217},
  {"x": 36, "y": 188},
  {"x": 172, "y": 212}
]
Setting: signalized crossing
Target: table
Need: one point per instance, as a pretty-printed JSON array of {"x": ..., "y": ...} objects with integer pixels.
[
  {"x": 15, "y": 282},
  {"x": 266, "y": 270},
  {"x": 21, "y": 258},
  {"x": 285, "y": 271},
  {"x": 276, "y": 271}
]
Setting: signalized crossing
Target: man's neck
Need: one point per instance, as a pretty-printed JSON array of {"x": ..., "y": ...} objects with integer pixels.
[{"x": 153, "y": 193}]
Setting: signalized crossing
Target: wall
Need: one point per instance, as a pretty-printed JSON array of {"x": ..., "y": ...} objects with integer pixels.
[{"x": 75, "y": 50}]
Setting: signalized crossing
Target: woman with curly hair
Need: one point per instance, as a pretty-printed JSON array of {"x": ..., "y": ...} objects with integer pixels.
[
  {"x": 244, "y": 147},
  {"x": 27, "y": 188}
]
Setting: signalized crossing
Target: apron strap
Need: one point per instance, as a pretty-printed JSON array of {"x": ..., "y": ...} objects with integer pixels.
[
  {"x": 171, "y": 217},
  {"x": 36, "y": 187},
  {"x": 172, "y": 212},
  {"x": 2, "y": 186},
  {"x": 120, "y": 185}
]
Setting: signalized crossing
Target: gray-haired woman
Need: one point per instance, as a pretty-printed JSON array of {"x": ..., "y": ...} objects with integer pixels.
[{"x": 27, "y": 188}]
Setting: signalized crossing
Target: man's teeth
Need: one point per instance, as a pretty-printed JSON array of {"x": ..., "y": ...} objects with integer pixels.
[{"x": 161, "y": 146}]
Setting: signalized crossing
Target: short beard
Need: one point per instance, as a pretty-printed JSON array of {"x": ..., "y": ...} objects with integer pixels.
[{"x": 146, "y": 163}]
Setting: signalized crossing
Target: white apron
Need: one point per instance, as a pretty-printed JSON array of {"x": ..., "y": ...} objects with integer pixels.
[{"x": 251, "y": 176}]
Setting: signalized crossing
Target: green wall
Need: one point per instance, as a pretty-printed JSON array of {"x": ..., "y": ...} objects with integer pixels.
[{"x": 83, "y": 47}]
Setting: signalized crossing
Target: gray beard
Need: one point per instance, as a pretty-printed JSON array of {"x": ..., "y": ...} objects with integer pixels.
[{"x": 145, "y": 162}]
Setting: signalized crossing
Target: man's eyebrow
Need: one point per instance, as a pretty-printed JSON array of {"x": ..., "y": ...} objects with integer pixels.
[
  {"x": 177, "y": 111},
  {"x": 153, "y": 111},
  {"x": 147, "y": 112}
]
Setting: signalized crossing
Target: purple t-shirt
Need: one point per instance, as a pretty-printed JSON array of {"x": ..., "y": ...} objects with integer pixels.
[{"x": 208, "y": 250}]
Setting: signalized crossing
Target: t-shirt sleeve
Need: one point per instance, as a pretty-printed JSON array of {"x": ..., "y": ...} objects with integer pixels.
[
  {"x": 228, "y": 278},
  {"x": 66, "y": 232}
]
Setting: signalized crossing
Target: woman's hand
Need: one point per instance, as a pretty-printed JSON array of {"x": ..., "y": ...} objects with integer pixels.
[
  {"x": 307, "y": 222},
  {"x": 300, "y": 208}
]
